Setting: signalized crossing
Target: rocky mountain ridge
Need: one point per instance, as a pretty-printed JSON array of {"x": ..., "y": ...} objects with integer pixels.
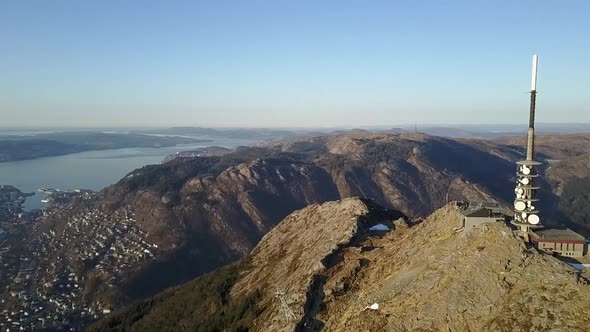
[
  {"x": 226, "y": 204},
  {"x": 322, "y": 268}
]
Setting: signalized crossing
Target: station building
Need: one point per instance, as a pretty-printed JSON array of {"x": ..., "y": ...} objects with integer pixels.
[
  {"x": 563, "y": 242},
  {"x": 474, "y": 214}
]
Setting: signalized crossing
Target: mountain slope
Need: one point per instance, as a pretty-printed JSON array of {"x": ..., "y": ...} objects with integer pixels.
[
  {"x": 202, "y": 215},
  {"x": 414, "y": 173},
  {"x": 193, "y": 207},
  {"x": 192, "y": 215},
  {"x": 286, "y": 261},
  {"x": 570, "y": 181},
  {"x": 322, "y": 267},
  {"x": 429, "y": 277},
  {"x": 226, "y": 205}
]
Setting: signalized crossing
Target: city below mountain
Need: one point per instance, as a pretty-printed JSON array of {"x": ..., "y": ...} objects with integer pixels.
[{"x": 164, "y": 225}]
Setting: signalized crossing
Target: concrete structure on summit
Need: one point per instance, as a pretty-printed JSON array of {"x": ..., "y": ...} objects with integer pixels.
[
  {"x": 474, "y": 214},
  {"x": 563, "y": 242}
]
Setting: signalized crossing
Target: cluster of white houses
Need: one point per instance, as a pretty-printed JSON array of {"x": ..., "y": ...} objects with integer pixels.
[{"x": 43, "y": 290}]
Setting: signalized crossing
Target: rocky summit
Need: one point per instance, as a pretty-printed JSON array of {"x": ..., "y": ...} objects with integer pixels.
[
  {"x": 432, "y": 277},
  {"x": 352, "y": 265}
]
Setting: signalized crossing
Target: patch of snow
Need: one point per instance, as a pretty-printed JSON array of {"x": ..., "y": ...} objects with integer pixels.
[
  {"x": 374, "y": 306},
  {"x": 580, "y": 266},
  {"x": 280, "y": 175},
  {"x": 379, "y": 227}
]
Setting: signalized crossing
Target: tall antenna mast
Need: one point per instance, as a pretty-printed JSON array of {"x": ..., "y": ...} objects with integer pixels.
[
  {"x": 525, "y": 213},
  {"x": 530, "y": 148}
]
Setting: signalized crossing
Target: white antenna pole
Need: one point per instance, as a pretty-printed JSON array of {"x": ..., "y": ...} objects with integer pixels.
[
  {"x": 531, "y": 132},
  {"x": 534, "y": 78}
]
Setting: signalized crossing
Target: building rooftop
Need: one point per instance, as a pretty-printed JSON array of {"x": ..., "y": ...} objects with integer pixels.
[
  {"x": 480, "y": 209},
  {"x": 558, "y": 234}
]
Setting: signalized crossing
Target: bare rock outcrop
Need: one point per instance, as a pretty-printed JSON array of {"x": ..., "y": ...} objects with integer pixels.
[{"x": 287, "y": 261}]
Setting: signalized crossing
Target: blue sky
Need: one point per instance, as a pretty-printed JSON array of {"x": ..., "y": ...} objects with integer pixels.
[{"x": 290, "y": 63}]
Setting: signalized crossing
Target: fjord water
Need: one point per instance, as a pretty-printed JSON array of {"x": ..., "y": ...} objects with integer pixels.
[{"x": 92, "y": 170}]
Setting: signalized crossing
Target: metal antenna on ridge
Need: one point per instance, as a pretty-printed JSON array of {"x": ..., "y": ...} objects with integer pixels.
[{"x": 527, "y": 176}]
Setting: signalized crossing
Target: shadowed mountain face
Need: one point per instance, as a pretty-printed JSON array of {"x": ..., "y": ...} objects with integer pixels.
[
  {"x": 417, "y": 173},
  {"x": 569, "y": 180},
  {"x": 566, "y": 181},
  {"x": 202, "y": 213},
  {"x": 323, "y": 268},
  {"x": 210, "y": 213}
]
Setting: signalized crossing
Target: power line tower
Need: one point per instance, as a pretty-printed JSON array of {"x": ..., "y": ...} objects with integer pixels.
[{"x": 289, "y": 315}]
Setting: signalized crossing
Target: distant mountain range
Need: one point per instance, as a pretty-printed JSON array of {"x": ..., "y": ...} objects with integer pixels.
[
  {"x": 451, "y": 130},
  {"x": 31, "y": 144},
  {"x": 16, "y": 147}
]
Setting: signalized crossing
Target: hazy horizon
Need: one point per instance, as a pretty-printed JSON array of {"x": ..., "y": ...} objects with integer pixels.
[
  {"x": 481, "y": 126},
  {"x": 259, "y": 64}
]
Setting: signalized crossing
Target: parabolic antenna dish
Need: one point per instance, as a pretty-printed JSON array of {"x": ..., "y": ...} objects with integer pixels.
[
  {"x": 526, "y": 170},
  {"x": 519, "y": 206},
  {"x": 533, "y": 219}
]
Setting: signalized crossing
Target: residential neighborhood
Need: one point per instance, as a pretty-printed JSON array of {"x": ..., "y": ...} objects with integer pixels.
[{"x": 44, "y": 282}]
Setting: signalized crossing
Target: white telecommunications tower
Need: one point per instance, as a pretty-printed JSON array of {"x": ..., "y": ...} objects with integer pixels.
[{"x": 527, "y": 176}]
